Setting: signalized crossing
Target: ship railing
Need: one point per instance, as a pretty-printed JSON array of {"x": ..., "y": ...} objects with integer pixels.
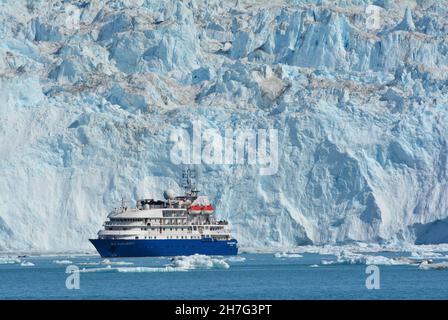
[
  {"x": 119, "y": 233},
  {"x": 149, "y": 224},
  {"x": 210, "y": 223},
  {"x": 124, "y": 224},
  {"x": 218, "y": 231}
]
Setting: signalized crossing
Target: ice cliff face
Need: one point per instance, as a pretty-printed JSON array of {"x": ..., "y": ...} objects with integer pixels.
[{"x": 91, "y": 91}]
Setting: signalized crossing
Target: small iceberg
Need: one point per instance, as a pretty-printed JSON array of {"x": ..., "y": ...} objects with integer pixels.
[
  {"x": 198, "y": 261},
  {"x": 27, "y": 264},
  {"x": 429, "y": 265}
]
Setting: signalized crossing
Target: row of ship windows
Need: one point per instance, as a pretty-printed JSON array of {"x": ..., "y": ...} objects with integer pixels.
[
  {"x": 167, "y": 228},
  {"x": 144, "y": 219},
  {"x": 180, "y": 228},
  {"x": 172, "y": 237},
  {"x": 171, "y": 228}
]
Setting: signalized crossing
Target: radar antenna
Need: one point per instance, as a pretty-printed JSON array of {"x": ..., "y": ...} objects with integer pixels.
[
  {"x": 189, "y": 182},
  {"x": 124, "y": 205}
]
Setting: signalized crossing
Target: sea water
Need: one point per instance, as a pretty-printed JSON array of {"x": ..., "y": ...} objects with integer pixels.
[{"x": 247, "y": 276}]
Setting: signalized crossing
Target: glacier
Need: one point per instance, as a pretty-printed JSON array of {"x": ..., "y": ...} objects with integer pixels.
[{"x": 90, "y": 91}]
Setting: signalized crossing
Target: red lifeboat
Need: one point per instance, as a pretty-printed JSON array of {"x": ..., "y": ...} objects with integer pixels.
[
  {"x": 201, "y": 209},
  {"x": 195, "y": 209},
  {"x": 201, "y": 205},
  {"x": 208, "y": 209}
]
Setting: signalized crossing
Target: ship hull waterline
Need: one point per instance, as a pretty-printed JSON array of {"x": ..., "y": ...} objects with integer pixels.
[{"x": 110, "y": 248}]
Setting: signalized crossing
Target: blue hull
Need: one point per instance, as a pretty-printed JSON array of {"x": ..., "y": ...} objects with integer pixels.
[{"x": 155, "y": 248}]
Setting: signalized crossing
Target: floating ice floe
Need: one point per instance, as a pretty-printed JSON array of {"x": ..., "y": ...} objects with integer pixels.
[
  {"x": 88, "y": 263},
  {"x": 198, "y": 261},
  {"x": 62, "y": 261},
  {"x": 236, "y": 259},
  {"x": 27, "y": 264},
  {"x": 428, "y": 265},
  {"x": 132, "y": 269},
  {"x": 287, "y": 255},
  {"x": 314, "y": 266},
  {"x": 346, "y": 257},
  {"x": 177, "y": 264},
  {"x": 150, "y": 269},
  {"x": 106, "y": 262},
  {"x": 417, "y": 251},
  {"x": 426, "y": 255},
  {"x": 103, "y": 269},
  {"x": 117, "y": 263}
]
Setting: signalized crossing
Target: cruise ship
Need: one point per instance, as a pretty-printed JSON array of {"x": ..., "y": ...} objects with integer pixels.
[{"x": 177, "y": 225}]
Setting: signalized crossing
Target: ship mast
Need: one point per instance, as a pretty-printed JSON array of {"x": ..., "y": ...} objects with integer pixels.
[{"x": 189, "y": 182}]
